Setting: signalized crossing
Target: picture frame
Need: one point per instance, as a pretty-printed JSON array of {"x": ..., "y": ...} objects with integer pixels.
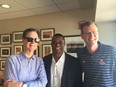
[
  {"x": 18, "y": 49},
  {"x": 5, "y": 51},
  {"x": 36, "y": 52},
  {"x": 73, "y": 43},
  {"x": 5, "y": 38},
  {"x": 46, "y": 49},
  {"x": 17, "y": 36},
  {"x": 2, "y": 65},
  {"x": 47, "y": 34}
]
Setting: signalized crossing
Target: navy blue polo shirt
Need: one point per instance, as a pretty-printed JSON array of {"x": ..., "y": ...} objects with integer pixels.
[{"x": 99, "y": 68}]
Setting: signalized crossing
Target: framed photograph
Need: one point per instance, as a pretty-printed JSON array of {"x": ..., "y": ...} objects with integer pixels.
[
  {"x": 5, "y": 51},
  {"x": 5, "y": 38},
  {"x": 2, "y": 65},
  {"x": 46, "y": 49},
  {"x": 18, "y": 49},
  {"x": 36, "y": 52},
  {"x": 17, "y": 36},
  {"x": 73, "y": 44},
  {"x": 47, "y": 34}
]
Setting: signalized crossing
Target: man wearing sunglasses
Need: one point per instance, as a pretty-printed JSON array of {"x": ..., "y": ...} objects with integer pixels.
[{"x": 26, "y": 69}]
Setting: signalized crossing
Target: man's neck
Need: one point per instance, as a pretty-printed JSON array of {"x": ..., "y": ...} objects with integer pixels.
[
  {"x": 57, "y": 56},
  {"x": 92, "y": 49}
]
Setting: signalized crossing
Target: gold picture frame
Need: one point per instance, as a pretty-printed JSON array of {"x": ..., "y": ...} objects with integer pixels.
[
  {"x": 46, "y": 49},
  {"x": 18, "y": 49}
]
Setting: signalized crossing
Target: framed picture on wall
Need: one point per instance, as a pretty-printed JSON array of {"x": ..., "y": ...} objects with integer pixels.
[
  {"x": 73, "y": 43},
  {"x": 17, "y": 36},
  {"x": 18, "y": 49},
  {"x": 36, "y": 52},
  {"x": 2, "y": 65},
  {"x": 46, "y": 49},
  {"x": 47, "y": 34},
  {"x": 5, "y": 51},
  {"x": 5, "y": 38}
]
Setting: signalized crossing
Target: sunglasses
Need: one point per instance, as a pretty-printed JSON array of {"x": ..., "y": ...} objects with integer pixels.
[{"x": 29, "y": 39}]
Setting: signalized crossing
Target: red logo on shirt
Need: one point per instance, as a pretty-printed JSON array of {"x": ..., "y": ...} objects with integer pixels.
[{"x": 101, "y": 62}]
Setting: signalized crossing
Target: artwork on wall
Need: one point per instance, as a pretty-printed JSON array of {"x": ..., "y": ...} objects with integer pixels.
[
  {"x": 5, "y": 38},
  {"x": 36, "y": 52},
  {"x": 73, "y": 44},
  {"x": 18, "y": 49},
  {"x": 17, "y": 36},
  {"x": 5, "y": 51},
  {"x": 47, "y": 34},
  {"x": 46, "y": 49},
  {"x": 2, "y": 65}
]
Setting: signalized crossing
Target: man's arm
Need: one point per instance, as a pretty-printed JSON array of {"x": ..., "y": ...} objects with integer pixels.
[
  {"x": 12, "y": 83},
  {"x": 41, "y": 81}
]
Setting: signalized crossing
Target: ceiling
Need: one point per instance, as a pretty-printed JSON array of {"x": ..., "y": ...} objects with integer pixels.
[{"x": 23, "y": 8}]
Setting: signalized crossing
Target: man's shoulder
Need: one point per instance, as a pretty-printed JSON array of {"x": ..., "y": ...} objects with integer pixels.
[
  {"x": 108, "y": 47},
  {"x": 47, "y": 57},
  {"x": 14, "y": 56},
  {"x": 70, "y": 56}
]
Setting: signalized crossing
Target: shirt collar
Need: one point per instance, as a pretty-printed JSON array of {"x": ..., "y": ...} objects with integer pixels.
[
  {"x": 62, "y": 58},
  {"x": 86, "y": 51},
  {"x": 24, "y": 57}
]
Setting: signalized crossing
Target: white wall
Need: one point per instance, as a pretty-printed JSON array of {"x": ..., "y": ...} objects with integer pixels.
[
  {"x": 64, "y": 22},
  {"x": 106, "y": 21},
  {"x": 107, "y": 32}
]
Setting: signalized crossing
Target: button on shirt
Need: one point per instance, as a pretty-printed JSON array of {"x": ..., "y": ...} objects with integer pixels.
[
  {"x": 56, "y": 71},
  {"x": 31, "y": 72}
]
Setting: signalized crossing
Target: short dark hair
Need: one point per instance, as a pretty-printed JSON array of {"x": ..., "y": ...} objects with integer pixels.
[
  {"x": 86, "y": 23},
  {"x": 59, "y": 35},
  {"x": 26, "y": 31}
]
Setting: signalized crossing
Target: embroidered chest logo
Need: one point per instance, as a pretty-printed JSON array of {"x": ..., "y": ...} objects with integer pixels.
[{"x": 101, "y": 62}]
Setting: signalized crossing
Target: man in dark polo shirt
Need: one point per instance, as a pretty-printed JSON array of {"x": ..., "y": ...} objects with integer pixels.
[{"x": 98, "y": 60}]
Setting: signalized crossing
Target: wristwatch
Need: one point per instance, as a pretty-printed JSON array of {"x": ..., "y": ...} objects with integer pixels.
[{"x": 24, "y": 85}]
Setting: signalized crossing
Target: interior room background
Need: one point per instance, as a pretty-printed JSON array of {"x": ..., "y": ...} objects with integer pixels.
[{"x": 66, "y": 23}]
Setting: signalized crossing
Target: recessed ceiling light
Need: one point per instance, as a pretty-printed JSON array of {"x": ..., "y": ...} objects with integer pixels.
[{"x": 5, "y": 6}]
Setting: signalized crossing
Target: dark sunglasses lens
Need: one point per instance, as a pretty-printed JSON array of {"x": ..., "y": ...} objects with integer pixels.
[{"x": 29, "y": 39}]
